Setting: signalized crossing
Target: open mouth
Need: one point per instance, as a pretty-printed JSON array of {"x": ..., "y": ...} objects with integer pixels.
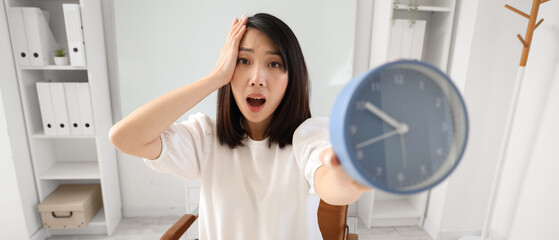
[{"x": 255, "y": 104}]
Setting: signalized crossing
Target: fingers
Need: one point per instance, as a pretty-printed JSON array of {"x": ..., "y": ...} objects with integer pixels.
[
  {"x": 233, "y": 26},
  {"x": 237, "y": 27},
  {"x": 240, "y": 23},
  {"x": 227, "y": 60},
  {"x": 235, "y": 21},
  {"x": 237, "y": 38},
  {"x": 329, "y": 158}
]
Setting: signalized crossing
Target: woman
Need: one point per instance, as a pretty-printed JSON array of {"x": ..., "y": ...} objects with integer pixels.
[{"x": 261, "y": 162}]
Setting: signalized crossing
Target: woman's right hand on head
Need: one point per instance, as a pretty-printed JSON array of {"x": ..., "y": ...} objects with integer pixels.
[{"x": 227, "y": 61}]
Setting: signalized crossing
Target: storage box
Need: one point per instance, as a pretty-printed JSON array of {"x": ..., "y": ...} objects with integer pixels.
[{"x": 71, "y": 206}]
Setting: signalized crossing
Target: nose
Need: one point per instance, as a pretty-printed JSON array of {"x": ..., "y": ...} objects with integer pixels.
[{"x": 258, "y": 77}]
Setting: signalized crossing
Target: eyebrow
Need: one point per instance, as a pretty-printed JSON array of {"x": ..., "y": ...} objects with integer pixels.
[{"x": 250, "y": 50}]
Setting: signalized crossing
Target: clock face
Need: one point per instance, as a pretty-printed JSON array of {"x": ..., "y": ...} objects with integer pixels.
[{"x": 404, "y": 127}]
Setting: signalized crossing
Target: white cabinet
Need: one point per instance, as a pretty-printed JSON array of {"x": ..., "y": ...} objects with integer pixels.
[
  {"x": 72, "y": 159},
  {"x": 379, "y": 208}
]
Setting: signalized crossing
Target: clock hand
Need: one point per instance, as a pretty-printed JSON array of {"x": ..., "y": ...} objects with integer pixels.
[
  {"x": 382, "y": 115},
  {"x": 401, "y": 128},
  {"x": 403, "y": 148},
  {"x": 376, "y": 139}
]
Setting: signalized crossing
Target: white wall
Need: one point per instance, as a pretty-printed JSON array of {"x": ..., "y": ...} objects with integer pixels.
[
  {"x": 491, "y": 70},
  {"x": 162, "y": 45},
  {"x": 484, "y": 61}
]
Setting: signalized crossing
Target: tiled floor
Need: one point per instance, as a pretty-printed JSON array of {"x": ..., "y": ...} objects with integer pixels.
[{"x": 153, "y": 228}]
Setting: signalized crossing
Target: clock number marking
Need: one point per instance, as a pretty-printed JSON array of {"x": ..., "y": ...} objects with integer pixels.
[
  {"x": 439, "y": 151},
  {"x": 401, "y": 177},
  {"x": 353, "y": 129},
  {"x": 423, "y": 170},
  {"x": 379, "y": 171},
  {"x": 360, "y": 105},
  {"x": 421, "y": 85},
  {"x": 375, "y": 87},
  {"x": 399, "y": 79},
  {"x": 360, "y": 155},
  {"x": 438, "y": 102}
]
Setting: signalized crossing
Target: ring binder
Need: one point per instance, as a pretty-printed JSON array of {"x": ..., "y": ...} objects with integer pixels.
[
  {"x": 40, "y": 40},
  {"x": 74, "y": 33}
]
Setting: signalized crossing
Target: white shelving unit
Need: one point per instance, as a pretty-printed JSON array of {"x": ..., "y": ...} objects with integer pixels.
[
  {"x": 379, "y": 208},
  {"x": 52, "y": 67},
  {"x": 73, "y": 159}
]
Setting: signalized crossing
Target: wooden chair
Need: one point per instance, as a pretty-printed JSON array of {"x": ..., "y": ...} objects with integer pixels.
[{"x": 332, "y": 221}]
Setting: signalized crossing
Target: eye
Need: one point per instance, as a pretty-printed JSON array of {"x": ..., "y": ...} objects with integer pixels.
[
  {"x": 242, "y": 61},
  {"x": 275, "y": 65}
]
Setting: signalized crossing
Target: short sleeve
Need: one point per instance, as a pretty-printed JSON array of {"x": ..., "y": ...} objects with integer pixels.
[
  {"x": 311, "y": 138},
  {"x": 185, "y": 147}
]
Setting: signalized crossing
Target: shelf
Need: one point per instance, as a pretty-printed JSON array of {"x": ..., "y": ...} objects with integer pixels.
[
  {"x": 99, "y": 219},
  {"x": 41, "y": 135},
  {"x": 424, "y": 8},
  {"x": 394, "y": 208},
  {"x": 69, "y": 159},
  {"x": 53, "y": 67},
  {"x": 72, "y": 171},
  {"x": 395, "y": 212}
]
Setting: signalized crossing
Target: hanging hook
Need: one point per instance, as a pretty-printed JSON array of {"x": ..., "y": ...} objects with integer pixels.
[
  {"x": 522, "y": 40},
  {"x": 517, "y": 11},
  {"x": 537, "y": 24}
]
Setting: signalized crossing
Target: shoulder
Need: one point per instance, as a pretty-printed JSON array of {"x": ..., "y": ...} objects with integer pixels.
[
  {"x": 198, "y": 122},
  {"x": 312, "y": 129},
  {"x": 313, "y": 125}
]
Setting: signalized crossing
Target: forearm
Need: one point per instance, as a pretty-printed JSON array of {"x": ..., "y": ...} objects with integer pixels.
[
  {"x": 146, "y": 123},
  {"x": 334, "y": 189}
]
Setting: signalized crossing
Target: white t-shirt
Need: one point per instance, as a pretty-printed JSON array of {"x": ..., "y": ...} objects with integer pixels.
[{"x": 252, "y": 191}]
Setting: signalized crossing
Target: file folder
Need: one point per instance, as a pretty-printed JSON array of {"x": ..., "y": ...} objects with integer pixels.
[
  {"x": 86, "y": 111},
  {"x": 40, "y": 40},
  {"x": 73, "y": 108},
  {"x": 406, "y": 39},
  {"x": 60, "y": 109},
  {"x": 45, "y": 105},
  {"x": 396, "y": 39},
  {"x": 19, "y": 36},
  {"x": 418, "y": 39},
  {"x": 74, "y": 33}
]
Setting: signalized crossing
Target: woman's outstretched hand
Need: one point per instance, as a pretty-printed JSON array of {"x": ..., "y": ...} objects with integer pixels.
[
  {"x": 227, "y": 61},
  {"x": 329, "y": 159},
  {"x": 333, "y": 184}
]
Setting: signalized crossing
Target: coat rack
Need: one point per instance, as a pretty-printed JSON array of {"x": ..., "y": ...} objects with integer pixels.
[
  {"x": 526, "y": 42},
  {"x": 532, "y": 25}
]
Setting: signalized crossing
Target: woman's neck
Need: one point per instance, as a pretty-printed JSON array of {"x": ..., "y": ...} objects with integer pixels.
[{"x": 256, "y": 130}]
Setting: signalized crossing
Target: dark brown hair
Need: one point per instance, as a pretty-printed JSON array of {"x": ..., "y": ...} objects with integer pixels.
[{"x": 294, "y": 108}]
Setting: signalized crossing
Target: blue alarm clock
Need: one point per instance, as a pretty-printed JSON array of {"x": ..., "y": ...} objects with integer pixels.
[{"x": 401, "y": 127}]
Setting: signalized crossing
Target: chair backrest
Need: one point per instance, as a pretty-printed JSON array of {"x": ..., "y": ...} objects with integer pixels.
[{"x": 332, "y": 221}]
